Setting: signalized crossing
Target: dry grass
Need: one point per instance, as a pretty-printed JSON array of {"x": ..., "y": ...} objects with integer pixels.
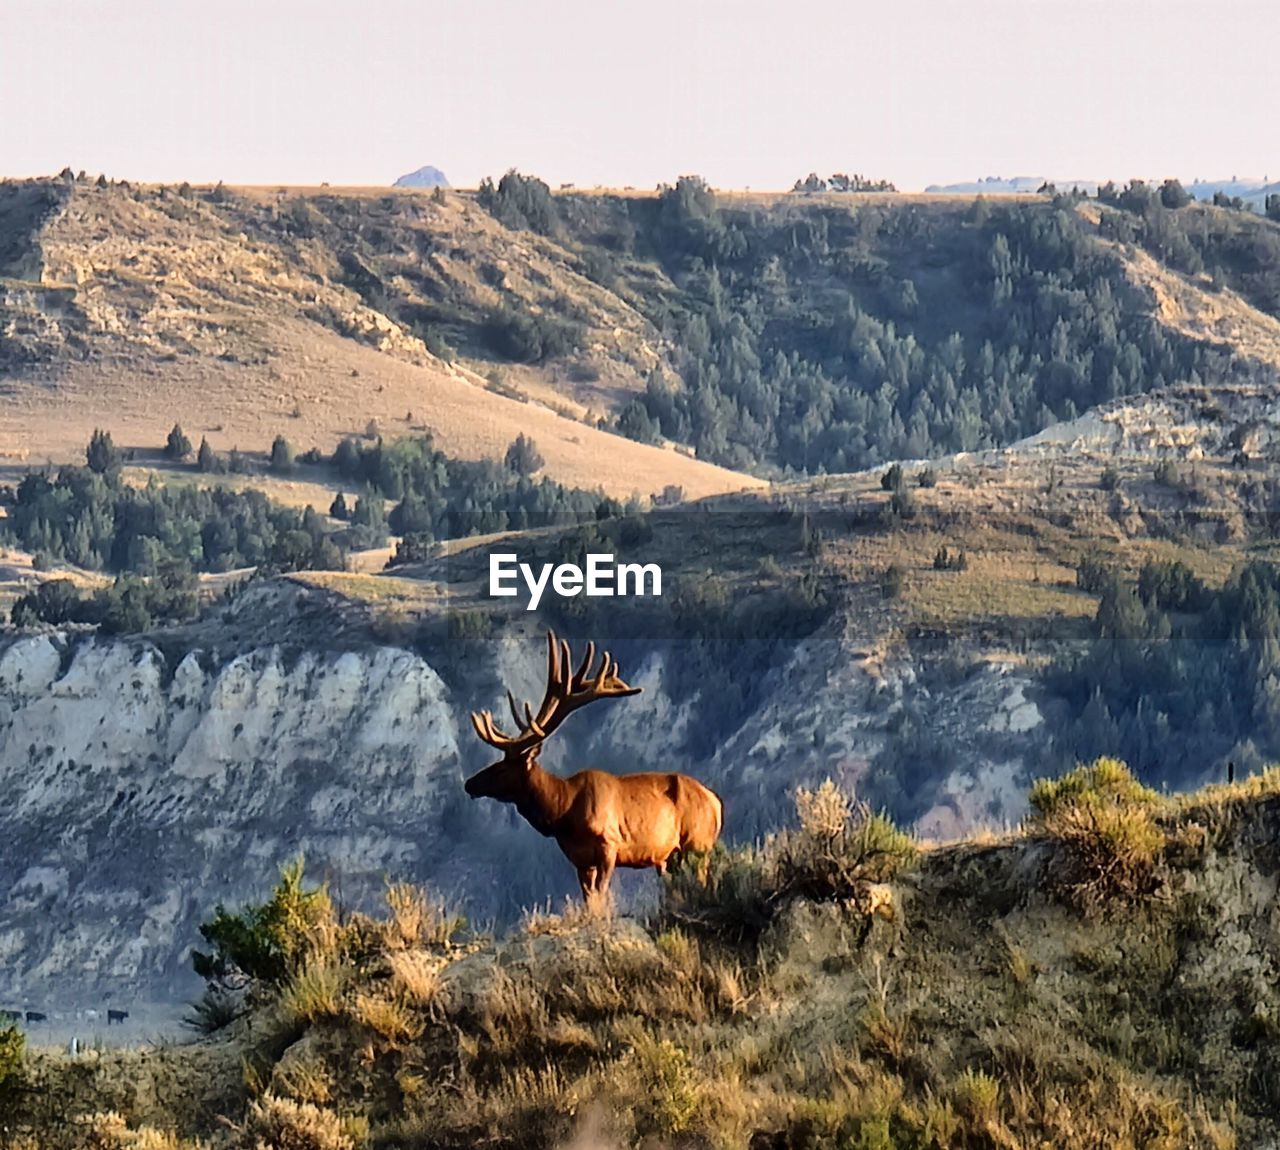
[
  {"x": 417, "y": 919},
  {"x": 415, "y": 977},
  {"x": 391, "y": 1018},
  {"x": 315, "y": 989},
  {"x": 972, "y": 1018}
]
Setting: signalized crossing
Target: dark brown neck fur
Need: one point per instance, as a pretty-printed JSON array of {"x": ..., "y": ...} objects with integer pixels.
[{"x": 545, "y": 800}]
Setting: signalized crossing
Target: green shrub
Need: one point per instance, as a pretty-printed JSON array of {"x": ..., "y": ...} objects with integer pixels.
[
  {"x": 730, "y": 894},
  {"x": 12, "y": 1049},
  {"x": 1103, "y": 780},
  {"x": 178, "y": 446},
  {"x": 892, "y": 580},
  {"x": 265, "y": 943},
  {"x": 893, "y": 479},
  {"x": 281, "y": 456},
  {"x": 102, "y": 455},
  {"x": 1094, "y": 574},
  {"x": 216, "y": 1008},
  {"x": 944, "y": 559},
  {"x": 1105, "y": 820}
]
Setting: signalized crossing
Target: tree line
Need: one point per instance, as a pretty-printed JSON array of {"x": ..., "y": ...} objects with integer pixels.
[
  {"x": 156, "y": 537},
  {"x": 1178, "y": 677}
]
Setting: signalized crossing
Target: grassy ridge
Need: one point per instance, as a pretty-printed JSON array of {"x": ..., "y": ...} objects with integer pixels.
[{"x": 890, "y": 998}]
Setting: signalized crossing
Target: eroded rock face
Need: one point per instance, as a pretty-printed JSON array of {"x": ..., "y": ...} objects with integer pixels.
[
  {"x": 136, "y": 796},
  {"x": 143, "y": 783}
]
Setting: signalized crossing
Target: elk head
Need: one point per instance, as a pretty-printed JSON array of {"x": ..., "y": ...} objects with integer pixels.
[{"x": 567, "y": 690}]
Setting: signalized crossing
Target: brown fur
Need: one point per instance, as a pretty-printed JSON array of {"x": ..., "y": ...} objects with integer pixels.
[{"x": 600, "y": 821}]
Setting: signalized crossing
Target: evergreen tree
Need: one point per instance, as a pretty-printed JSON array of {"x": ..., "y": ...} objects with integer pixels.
[
  {"x": 178, "y": 446},
  {"x": 281, "y": 456},
  {"x": 102, "y": 455},
  {"x": 523, "y": 457}
]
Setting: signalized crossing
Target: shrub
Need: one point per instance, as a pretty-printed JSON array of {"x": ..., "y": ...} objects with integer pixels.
[
  {"x": 12, "y": 1050},
  {"x": 671, "y": 1090},
  {"x": 389, "y": 1018},
  {"x": 55, "y": 601},
  {"x": 206, "y": 460},
  {"x": 216, "y": 1008},
  {"x": 267, "y": 942},
  {"x": 892, "y": 580},
  {"x": 1171, "y": 586},
  {"x": 732, "y": 894},
  {"x": 281, "y": 456},
  {"x": 1105, "y": 820},
  {"x": 417, "y": 919},
  {"x": 977, "y": 1097},
  {"x": 314, "y": 990},
  {"x": 283, "y": 1124},
  {"x": 946, "y": 560},
  {"x": 839, "y": 844},
  {"x": 1094, "y": 574},
  {"x": 892, "y": 479},
  {"x": 1103, "y": 780},
  {"x": 523, "y": 456},
  {"x": 928, "y": 477},
  {"x": 530, "y": 337},
  {"x": 102, "y": 455}
]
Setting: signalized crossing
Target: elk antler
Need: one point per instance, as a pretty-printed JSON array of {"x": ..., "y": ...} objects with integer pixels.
[{"x": 566, "y": 691}]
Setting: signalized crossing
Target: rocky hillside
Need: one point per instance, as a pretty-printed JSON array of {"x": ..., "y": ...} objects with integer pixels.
[{"x": 156, "y": 777}]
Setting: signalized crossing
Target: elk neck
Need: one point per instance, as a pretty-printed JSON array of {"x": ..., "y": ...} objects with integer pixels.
[{"x": 544, "y": 801}]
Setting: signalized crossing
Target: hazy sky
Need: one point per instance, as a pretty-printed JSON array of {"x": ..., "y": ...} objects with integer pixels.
[{"x": 745, "y": 92}]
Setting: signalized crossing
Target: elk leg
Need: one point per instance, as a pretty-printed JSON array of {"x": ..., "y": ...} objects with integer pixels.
[
  {"x": 608, "y": 860},
  {"x": 587, "y": 880}
]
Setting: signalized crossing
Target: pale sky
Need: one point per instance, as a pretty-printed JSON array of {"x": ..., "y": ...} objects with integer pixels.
[{"x": 748, "y": 93}]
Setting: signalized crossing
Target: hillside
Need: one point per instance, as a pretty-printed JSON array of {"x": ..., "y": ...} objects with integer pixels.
[
  {"x": 760, "y": 334},
  {"x": 1074, "y": 556},
  {"x": 833, "y": 987},
  {"x": 132, "y": 309}
]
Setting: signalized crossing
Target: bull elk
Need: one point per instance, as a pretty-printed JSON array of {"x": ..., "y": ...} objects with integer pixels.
[{"x": 601, "y": 821}]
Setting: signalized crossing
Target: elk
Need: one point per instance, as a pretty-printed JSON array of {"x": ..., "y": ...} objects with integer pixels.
[{"x": 600, "y": 820}]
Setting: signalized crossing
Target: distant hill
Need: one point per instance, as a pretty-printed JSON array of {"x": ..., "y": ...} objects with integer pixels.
[
  {"x": 989, "y": 185},
  {"x": 427, "y": 177},
  {"x": 1250, "y": 189}
]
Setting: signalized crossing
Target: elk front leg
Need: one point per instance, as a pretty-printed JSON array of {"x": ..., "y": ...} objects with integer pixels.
[
  {"x": 595, "y": 879},
  {"x": 608, "y": 861}
]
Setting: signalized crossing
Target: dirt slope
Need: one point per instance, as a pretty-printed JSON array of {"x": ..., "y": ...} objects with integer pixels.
[{"x": 131, "y": 309}]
